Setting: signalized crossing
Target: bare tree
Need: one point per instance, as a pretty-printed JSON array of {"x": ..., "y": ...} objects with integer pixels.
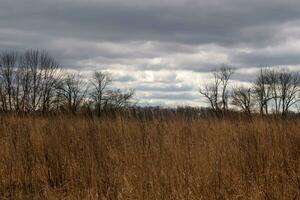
[
  {"x": 33, "y": 81},
  {"x": 32, "y": 61},
  {"x": 278, "y": 89},
  {"x": 262, "y": 91},
  {"x": 38, "y": 75},
  {"x": 8, "y": 66},
  {"x": 118, "y": 99},
  {"x": 103, "y": 97},
  {"x": 217, "y": 92},
  {"x": 272, "y": 81},
  {"x": 25, "y": 76},
  {"x": 51, "y": 77},
  {"x": 100, "y": 82},
  {"x": 73, "y": 91},
  {"x": 210, "y": 92},
  {"x": 224, "y": 75},
  {"x": 242, "y": 98},
  {"x": 289, "y": 87}
]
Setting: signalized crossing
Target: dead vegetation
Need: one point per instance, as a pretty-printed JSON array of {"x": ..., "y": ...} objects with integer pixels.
[{"x": 82, "y": 158}]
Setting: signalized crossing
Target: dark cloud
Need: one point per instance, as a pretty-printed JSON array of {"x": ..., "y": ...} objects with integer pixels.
[
  {"x": 269, "y": 59},
  {"x": 224, "y": 22}
]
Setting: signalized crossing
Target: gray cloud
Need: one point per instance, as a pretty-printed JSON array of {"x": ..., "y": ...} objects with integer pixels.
[
  {"x": 169, "y": 88},
  {"x": 222, "y": 22},
  {"x": 172, "y": 96},
  {"x": 267, "y": 59},
  {"x": 133, "y": 36}
]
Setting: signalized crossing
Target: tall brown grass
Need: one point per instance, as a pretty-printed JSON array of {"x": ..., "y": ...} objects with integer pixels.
[{"x": 83, "y": 158}]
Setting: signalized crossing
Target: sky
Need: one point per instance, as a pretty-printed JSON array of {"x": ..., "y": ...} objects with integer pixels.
[{"x": 164, "y": 49}]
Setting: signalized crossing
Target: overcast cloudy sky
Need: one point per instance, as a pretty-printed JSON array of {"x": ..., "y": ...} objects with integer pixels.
[{"x": 163, "y": 48}]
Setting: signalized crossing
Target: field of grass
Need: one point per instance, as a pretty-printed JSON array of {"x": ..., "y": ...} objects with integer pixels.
[{"x": 83, "y": 158}]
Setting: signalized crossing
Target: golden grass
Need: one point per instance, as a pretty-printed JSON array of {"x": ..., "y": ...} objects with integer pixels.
[{"x": 81, "y": 158}]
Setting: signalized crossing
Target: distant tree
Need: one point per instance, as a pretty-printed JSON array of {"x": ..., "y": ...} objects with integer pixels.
[
  {"x": 278, "y": 89},
  {"x": 224, "y": 75},
  {"x": 34, "y": 82},
  {"x": 289, "y": 89},
  {"x": 119, "y": 99},
  {"x": 242, "y": 98},
  {"x": 32, "y": 61},
  {"x": 100, "y": 82},
  {"x": 8, "y": 66},
  {"x": 51, "y": 78},
  {"x": 210, "y": 92},
  {"x": 72, "y": 91},
  {"x": 103, "y": 97},
  {"x": 262, "y": 91},
  {"x": 217, "y": 92},
  {"x": 39, "y": 75},
  {"x": 272, "y": 81}
]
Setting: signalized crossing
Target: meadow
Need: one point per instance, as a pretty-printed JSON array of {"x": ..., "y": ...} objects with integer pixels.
[{"x": 76, "y": 157}]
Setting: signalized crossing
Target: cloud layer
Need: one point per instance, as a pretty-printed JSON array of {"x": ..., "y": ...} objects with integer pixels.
[{"x": 163, "y": 49}]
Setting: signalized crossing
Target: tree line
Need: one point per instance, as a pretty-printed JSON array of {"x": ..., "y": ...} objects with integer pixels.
[
  {"x": 33, "y": 81},
  {"x": 274, "y": 91}
]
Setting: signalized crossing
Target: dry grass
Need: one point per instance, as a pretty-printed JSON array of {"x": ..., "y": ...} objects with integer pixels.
[{"x": 80, "y": 158}]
